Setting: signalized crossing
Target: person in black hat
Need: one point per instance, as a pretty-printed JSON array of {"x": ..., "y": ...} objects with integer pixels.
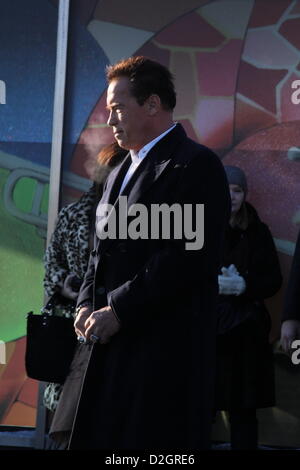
[{"x": 250, "y": 273}]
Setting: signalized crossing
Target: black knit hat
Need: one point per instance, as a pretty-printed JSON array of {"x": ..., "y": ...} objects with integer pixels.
[{"x": 236, "y": 176}]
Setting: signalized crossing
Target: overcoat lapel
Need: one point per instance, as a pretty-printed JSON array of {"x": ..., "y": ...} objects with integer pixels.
[
  {"x": 149, "y": 170},
  {"x": 146, "y": 174},
  {"x": 111, "y": 193}
]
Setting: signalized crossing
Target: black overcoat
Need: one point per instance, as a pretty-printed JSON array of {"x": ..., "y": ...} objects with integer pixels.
[
  {"x": 152, "y": 386},
  {"x": 245, "y": 370}
]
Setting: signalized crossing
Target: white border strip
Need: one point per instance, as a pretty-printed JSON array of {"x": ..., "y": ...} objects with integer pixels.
[{"x": 58, "y": 114}]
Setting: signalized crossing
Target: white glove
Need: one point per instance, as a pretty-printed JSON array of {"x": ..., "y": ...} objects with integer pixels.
[
  {"x": 230, "y": 282},
  {"x": 230, "y": 271}
]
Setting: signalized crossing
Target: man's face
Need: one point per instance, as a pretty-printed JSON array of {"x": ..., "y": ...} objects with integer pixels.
[{"x": 129, "y": 120}]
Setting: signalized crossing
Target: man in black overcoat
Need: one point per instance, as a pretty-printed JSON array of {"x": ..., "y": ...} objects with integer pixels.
[{"x": 149, "y": 303}]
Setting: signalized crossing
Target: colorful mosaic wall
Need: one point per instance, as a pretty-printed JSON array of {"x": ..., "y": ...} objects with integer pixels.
[{"x": 234, "y": 62}]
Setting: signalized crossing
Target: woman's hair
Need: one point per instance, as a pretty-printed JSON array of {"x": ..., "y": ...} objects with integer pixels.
[
  {"x": 240, "y": 219},
  {"x": 147, "y": 77},
  {"x": 109, "y": 157}
]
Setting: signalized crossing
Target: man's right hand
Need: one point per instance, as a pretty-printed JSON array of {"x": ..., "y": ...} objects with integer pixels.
[
  {"x": 290, "y": 330},
  {"x": 80, "y": 320}
]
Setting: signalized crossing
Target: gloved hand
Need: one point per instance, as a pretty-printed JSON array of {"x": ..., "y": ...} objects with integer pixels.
[
  {"x": 230, "y": 271},
  {"x": 230, "y": 282},
  {"x": 71, "y": 287},
  {"x": 290, "y": 330}
]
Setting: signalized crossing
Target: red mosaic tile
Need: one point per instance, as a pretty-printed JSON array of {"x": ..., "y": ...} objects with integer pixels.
[
  {"x": 259, "y": 85},
  {"x": 20, "y": 415},
  {"x": 249, "y": 119},
  {"x": 12, "y": 378},
  {"x": 189, "y": 129},
  {"x": 29, "y": 392},
  {"x": 190, "y": 31},
  {"x": 290, "y": 29},
  {"x": 217, "y": 71},
  {"x": 185, "y": 83},
  {"x": 276, "y": 52},
  {"x": 16, "y": 365},
  {"x": 99, "y": 115},
  {"x": 156, "y": 53},
  {"x": 273, "y": 179},
  {"x": 264, "y": 14},
  {"x": 214, "y": 122}
]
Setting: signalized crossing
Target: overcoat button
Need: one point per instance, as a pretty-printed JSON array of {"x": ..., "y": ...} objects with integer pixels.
[
  {"x": 100, "y": 290},
  {"x": 122, "y": 247}
]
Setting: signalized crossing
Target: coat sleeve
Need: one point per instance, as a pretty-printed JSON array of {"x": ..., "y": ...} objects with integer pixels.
[
  {"x": 263, "y": 278},
  {"x": 87, "y": 287},
  {"x": 291, "y": 310},
  {"x": 55, "y": 259},
  {"x": 175, "y": 272}
]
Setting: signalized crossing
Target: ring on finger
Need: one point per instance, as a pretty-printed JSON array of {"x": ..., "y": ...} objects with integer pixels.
[{"x": 94, "y": 338}]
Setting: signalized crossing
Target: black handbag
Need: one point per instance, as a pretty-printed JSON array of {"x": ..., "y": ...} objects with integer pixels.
[{"x": 51, "y": 342}]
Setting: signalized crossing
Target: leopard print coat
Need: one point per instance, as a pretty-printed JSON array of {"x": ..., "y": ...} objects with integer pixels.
[{"x": 68, "y": 250}]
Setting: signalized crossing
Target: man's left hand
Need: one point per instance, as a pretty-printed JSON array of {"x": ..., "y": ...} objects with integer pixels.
[{"x": 102, "y": 324}]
